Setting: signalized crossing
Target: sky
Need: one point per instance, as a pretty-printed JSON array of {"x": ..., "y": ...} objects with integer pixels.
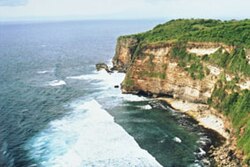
[{"x": 123, "y": 9}]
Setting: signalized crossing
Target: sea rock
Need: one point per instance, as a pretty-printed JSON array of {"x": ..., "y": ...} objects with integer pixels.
[{"x": 102, "y": 66}]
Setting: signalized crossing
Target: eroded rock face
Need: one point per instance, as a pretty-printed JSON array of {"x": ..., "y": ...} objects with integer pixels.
[
  {"x": 153, "y": 71},
  {"x": 125, "y": 49},
  {"x": 156, "y": 73},
  {"x": 207, "y": 48}
]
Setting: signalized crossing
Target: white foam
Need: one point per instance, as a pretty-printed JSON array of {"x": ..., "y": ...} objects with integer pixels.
[
  {"x": 130, "y": 97},
  {"x": 57, "y": 83},
  {"x": 80, "y": 77},
  {"x": 87, "y": 137},
  {"x": 202, "y": 152},
  {"x": 110, "y": 63},
  {"x": 177, "y": 139},
  {"x": 195, "y": 165},
  {"x": 116, "y": 93},
  {"x": 146, "y": 107},
  {"x": 44, "y": 71},
  {"x": 107, "y": 80}
]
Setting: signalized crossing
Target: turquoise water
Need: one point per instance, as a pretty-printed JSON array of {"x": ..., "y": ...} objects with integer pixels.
[{"x": 56, "y": 110}]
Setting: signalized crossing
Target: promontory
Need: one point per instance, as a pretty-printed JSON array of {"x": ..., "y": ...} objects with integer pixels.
[{"x": 196, "y": 61}]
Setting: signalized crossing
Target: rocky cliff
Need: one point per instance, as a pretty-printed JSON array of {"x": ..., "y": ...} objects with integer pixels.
[
  {"x": 187, "y": 60},
  {"x": 155, "y": 72},
  {"x": 124, "y": 53}
]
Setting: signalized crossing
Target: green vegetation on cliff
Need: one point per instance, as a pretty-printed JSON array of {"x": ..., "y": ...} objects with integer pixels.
[
  {"x": 232, "y": 33},
  {"x": 235, "y": 62},
  {"x": 235, "y": 104},
  {"x": 191, "y": 63},
  {"x": 200, "y": 30}
]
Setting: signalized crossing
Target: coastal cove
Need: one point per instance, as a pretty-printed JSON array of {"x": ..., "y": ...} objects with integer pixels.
[
  {"x": 214, "y": 138},
  {"x": 195, "y": 69},
  {"x": 58, "y": 110}
]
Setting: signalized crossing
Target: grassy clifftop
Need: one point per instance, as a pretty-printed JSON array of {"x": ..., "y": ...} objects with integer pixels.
[{"x": 235, "y": 33}]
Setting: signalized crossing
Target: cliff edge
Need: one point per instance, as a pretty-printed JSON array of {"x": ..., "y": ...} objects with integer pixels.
[{"x": 198, "y": 61}]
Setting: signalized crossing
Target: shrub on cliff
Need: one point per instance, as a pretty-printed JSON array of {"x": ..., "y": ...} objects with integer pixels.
[
  {"x": 202, "y": 30},
  {"x": 236, "y": 105},
  {"x": 191, "y": 63}
]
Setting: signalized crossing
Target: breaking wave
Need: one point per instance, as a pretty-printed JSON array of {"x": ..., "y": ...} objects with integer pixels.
[{"x": 87, "y": 137}]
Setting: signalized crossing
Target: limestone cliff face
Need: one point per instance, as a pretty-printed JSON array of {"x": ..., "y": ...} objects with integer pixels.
[
  {"x": 124, "y": 52},
  {"x": 199, "y": 61},
  {"x": 154, "y": 72}
]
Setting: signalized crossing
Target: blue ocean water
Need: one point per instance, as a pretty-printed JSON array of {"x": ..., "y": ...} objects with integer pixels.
[{"x": 56, "y": 110}]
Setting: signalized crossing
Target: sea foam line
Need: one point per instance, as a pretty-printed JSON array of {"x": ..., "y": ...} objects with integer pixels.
[
  {"x": 87, "y": 137},
  {"x": 108, "y": 80}
]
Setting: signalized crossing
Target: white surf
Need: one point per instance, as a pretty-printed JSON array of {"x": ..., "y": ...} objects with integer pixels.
[{"x": 87, "y": 137}]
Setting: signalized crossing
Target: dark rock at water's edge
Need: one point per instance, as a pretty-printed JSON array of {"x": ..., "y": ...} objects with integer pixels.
[
  {"x": 157, "y": 64},
  {"x": 102, "y": 66},
  {"x": 214, "y": 150},
  {"x": 209, "y": 139}
]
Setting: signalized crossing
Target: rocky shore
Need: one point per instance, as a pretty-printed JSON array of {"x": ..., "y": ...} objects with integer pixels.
[
  {"x": 221, "y": 150},
  {"x": 224, "y": 154},
  {"x": 158, "y": 70},
  {"x": 205, "y": 78}
]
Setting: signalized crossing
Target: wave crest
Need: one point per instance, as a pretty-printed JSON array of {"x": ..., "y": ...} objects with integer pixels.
[{"x": 87, "y": 137}]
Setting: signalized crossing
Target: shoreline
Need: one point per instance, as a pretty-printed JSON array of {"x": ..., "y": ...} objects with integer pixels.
[
  {"x": 221, "y": 151},
  {"x": 202, "y": 113},
  {"x": 209, "y": 118}
]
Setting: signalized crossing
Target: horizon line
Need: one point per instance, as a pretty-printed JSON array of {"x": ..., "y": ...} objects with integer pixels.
[{"x": 62, "y": 19}]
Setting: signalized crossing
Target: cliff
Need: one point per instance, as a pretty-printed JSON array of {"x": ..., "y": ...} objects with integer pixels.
[
  {"x": 179, "y": 60},
  {"x": 124, "y": 51}
]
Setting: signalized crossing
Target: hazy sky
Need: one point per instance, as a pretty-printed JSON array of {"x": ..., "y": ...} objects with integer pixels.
[{"x": 123, "y": 9}]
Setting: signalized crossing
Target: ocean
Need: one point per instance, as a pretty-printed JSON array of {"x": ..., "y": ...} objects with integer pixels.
[{"x": 56, "y": 110}]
